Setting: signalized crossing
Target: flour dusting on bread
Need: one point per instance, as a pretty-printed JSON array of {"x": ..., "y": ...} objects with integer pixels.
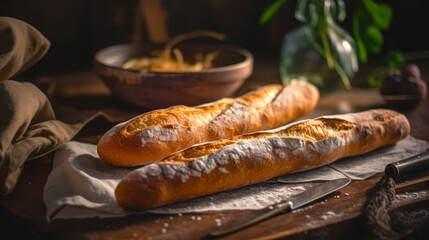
[
  {"x": 246, "y": 159},
  {"x": 154, "y": 135}
]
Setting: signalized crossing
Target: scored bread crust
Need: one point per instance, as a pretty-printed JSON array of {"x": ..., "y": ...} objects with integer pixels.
[
  {"x": 157, "y": 134},
  {"x": 242, "y": 160}
]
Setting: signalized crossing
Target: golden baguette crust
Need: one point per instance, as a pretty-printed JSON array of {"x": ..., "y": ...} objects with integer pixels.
[
  {"x": 157, "y": 134},
  {"x": 242, "y": 160}
]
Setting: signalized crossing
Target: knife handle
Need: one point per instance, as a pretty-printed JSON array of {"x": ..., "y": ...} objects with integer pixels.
[{"x": 413, "y": 164}]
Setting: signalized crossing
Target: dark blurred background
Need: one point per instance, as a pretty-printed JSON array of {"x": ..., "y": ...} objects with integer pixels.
[{"x": 79, "y": 28}]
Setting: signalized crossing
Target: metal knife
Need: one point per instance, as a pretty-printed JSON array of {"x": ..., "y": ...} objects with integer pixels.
[{"x": 291, "y": 203}]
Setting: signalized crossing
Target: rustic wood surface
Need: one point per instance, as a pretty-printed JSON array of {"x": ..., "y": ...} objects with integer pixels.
[{"x": 337, "y": 216}]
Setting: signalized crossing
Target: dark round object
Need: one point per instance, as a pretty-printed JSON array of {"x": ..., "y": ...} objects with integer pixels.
[
  {"x": 391, "y": 83},
  {"x": 403, "y": 90},
  {"x": 411, "y": 70}
]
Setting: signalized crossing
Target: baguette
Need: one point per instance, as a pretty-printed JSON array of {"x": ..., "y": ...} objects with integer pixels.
[
  {"x": 243, "y": 160},
  {"x": 157, "y": 134}
]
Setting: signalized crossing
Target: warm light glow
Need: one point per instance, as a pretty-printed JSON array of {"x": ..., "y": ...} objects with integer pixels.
[{"x": 346, "y": 45}]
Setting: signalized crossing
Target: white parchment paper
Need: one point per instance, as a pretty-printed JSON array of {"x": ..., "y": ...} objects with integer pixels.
[{"x": 81, "y": 185}]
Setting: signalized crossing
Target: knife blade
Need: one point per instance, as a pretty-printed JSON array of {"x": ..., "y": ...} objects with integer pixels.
[{"x": 290, "y": 204}]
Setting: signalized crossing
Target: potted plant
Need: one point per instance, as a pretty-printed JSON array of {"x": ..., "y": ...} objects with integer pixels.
[{"x": 320, "y": 50}]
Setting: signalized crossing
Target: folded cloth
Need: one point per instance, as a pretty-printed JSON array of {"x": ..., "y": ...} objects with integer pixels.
[
  {"x": 22, "y": 105},
  {"x": 28, "y": 126},
  {"x": 81, "y": 185},
  {"x": 21, "y": 46},
  {"x": 28, "y": 129}
]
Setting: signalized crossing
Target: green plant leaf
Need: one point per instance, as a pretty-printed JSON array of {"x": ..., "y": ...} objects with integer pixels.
[
  {"x": 395, "y": 59},
  {"x": 376, "y": 76},
  {"x": 361, "y": 49},
  {"x": 373, "y": 39},
  {"x": 270, "y": 11},
  {"x": 380, "y": 13}
]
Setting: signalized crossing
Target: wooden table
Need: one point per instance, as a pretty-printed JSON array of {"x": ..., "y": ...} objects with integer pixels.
[{"x": 338, "y": 216}]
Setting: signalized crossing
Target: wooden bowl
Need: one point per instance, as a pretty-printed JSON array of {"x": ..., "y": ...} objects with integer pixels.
[{"x": 153, "y": 89}]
